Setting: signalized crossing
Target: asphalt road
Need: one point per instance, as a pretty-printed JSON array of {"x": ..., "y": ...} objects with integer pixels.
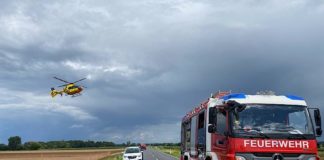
[{"x": 156, "y": 155}]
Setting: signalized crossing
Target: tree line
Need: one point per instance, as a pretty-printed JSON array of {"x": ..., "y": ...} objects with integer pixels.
[
  {"x": 164, "y": 144},
  {"x": 15, "y": 143}
]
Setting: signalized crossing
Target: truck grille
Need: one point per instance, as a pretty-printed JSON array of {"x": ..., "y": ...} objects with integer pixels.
[{"x": 271, "y": 154}]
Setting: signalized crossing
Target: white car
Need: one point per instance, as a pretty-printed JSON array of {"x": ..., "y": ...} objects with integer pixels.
[{"x": 133, "y": 153}]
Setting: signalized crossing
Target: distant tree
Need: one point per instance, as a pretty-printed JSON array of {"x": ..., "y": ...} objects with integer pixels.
[
  {"x": 32, "y": 145},
  {"x": 128, "y": 143},
  {"x": 57, "y": 144},
  {"x": 77, "y": 144},
  {"x": 133, "y": 144},
  {"x": 43, "y": 145},
  {"x": 3, "y": 147},
  {"x": 14, "y": 143}
]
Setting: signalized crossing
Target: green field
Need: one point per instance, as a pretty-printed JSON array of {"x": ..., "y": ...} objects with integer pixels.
[{"x": 321, "y": 153}]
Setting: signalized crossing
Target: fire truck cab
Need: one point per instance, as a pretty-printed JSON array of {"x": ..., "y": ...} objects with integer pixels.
[{"x": 251, "y": 127}]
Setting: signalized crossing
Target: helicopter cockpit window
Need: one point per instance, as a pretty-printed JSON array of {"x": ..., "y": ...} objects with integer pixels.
[{"x": 72, "y": 87}]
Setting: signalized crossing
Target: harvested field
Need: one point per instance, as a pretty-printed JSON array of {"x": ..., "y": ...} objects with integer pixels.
[{"x": 59, "y": 154}]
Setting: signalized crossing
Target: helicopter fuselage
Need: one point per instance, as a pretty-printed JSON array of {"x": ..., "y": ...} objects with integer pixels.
[{"x": 72, "y": 89}]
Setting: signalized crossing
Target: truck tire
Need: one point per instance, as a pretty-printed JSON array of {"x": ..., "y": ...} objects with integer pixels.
[{"x": 208, "y": 158}]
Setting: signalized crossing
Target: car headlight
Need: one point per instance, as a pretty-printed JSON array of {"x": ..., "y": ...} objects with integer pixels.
[
  {"x": 312, "y": 158},
  {"x": 241, "y": 158}
]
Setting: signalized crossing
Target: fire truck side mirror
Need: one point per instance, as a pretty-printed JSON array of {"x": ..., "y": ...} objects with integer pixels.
[
  {"x": 319, "y": 131},
  {"x": 317, "y": 116},
  {"x": 318, "y": 121}
]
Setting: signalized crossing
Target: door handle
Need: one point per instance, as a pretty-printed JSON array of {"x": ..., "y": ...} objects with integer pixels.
[{"x": 220, "y": 142}]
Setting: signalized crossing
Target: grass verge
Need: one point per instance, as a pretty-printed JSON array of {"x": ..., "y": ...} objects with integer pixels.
[
  {"x": 171, "y": 150},
  {"x": 115, "y": 157},
  {"x": 321, "y": 154}
]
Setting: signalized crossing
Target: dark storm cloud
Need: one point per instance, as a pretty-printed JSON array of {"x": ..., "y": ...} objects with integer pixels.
[{"x": 148, "y": 62}]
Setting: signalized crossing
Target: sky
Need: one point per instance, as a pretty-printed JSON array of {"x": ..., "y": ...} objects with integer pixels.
[{"x": 148, "y": 62}]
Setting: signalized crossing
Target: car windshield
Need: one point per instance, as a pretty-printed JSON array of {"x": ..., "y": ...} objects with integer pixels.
[
  {"x": 132, "y": 150},
  {"x": 265, "y": 120}
]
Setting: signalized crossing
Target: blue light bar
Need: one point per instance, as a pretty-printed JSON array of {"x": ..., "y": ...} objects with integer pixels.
[
  {"x": 292, "y": 97},
  {"x": 234, "y": 96}
]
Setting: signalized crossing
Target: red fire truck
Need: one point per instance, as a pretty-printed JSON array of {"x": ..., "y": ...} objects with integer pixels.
[{"x": 251, "y": 127}]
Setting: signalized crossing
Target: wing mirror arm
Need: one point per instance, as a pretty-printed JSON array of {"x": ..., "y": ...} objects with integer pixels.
[
  {"x": 212, "y": 120},
  {"x": 212, "y": 128}
]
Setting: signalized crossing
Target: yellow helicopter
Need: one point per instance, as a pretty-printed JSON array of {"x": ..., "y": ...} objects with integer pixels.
[{"x": 69, "y": 88}]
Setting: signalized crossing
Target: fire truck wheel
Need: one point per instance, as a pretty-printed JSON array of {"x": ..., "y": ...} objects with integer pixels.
[
  {"x": 185, "y": 158},
  {"x": 208, "y": 158}
]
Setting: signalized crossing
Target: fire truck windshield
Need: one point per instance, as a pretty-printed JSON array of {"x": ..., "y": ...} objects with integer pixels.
[{"x": 267, "y": 121}]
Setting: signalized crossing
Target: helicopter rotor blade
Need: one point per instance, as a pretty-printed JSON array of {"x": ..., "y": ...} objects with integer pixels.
[
  {"x": 79, "y": 80},
  {"x": 63, "y": 85},
  {"x": 61, "y": 80}
]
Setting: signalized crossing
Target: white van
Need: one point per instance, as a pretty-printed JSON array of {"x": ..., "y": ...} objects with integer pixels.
[{"x": 133, "y": 153}]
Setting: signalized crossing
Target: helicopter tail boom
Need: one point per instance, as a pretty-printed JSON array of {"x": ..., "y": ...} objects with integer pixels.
[{"x": 55, "y": 92}]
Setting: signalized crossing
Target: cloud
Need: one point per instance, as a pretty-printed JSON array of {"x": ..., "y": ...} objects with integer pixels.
[
  {"x": 91, "y": 69},
  {"x": 18, "y": 29},
  {"x": 20, "y": 101},
  {"x": 77, "y": 126},
  {"x": 161, "y": 133}
]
